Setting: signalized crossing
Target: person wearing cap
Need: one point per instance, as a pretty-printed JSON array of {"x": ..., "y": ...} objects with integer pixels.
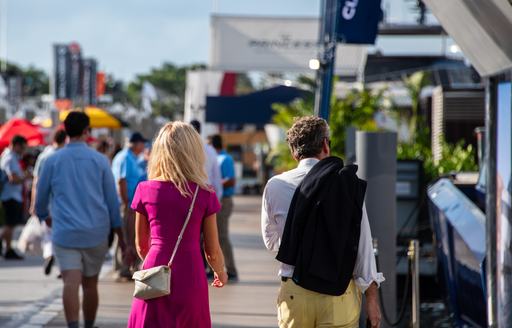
[{"x": 128, "y": 173}]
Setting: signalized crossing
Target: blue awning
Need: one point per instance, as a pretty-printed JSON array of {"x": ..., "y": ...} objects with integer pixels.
[{"x": 254, "y": 108}]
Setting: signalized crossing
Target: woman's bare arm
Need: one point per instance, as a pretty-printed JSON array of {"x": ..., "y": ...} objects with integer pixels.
[
  {"x": 141, "y": 235},
  {"x": 212, "y": 248}
]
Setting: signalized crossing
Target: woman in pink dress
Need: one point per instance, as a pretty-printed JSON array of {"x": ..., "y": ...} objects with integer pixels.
[{"x": 176, "y": 168}]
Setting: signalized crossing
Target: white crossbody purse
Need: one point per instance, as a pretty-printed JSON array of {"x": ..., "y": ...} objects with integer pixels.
[{"x": 156, "y": 282}]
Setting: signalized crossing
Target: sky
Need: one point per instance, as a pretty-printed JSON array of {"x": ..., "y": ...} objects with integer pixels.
[{"x": 129, "y": 37}]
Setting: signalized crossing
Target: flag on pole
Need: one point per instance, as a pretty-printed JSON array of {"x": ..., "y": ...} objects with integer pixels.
[
  {"x": 358, "y": 21},
  {"x": 148, "y": 95}
]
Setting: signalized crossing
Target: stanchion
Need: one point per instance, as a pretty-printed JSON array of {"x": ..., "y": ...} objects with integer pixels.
[
  {"x": 414, "y": 258},
  {"x": 403, "y": 306}
]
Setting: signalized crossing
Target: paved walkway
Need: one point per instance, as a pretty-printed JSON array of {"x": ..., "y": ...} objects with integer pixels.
[{"x": 248, "y": 303}]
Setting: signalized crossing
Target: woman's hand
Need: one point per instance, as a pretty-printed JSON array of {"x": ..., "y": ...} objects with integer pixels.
[{"x": 220, "y": 279}]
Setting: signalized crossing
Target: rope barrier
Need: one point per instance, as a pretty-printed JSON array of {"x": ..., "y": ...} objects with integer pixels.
[{"x": 403, "y": 305}]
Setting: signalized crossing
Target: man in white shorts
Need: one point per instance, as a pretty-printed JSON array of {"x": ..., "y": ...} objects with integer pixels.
[{"x": 79, "y": 184}]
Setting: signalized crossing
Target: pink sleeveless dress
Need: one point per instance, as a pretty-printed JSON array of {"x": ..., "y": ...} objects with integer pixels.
[{"x": 166, "y": 210}]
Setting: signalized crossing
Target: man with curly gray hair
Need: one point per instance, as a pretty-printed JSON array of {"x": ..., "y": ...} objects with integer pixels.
[{"x": 309, "y": 143}]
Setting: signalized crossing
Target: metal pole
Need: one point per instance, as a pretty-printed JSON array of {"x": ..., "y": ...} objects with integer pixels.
[
  {"x": 490, "y": 199},
  {"x": 414, "y": 256},
  {"x": 215, "y": 6},
  {"x": 327, "y": 57},
  {"x": 3, "y": 35},
  {"x": 320, "y": 72}
]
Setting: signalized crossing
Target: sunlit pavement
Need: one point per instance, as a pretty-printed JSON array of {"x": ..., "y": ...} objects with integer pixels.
[
  {"x": 25, "y": 292},
  {"x": 252, "y": 301},
  {"x": 30, "y": 299}
]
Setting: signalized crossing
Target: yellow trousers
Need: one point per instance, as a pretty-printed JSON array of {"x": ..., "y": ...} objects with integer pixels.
[{"x": 301, "y": 308}]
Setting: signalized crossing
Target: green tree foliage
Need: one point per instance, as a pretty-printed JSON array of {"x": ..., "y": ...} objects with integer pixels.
[
  {"x": 418, "y": 128},
  {"x": 170, "y": 82},
  {"x": 356, "y": 110},
  {"x": 11, "y": 69},
  {"x": 35, "y": 81}
]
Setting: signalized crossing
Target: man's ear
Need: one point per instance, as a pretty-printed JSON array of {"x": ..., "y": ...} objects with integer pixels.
[
  {"x": 293, "y": 154},
  {"x": 325, "y": 147},
  {"x": 87, "y": 132}
]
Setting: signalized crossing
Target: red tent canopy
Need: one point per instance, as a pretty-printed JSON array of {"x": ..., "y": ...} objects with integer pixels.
[{"x": 17, "y": 126}]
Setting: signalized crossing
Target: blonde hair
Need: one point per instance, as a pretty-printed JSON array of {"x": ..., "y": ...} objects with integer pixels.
[{"x": 178, "y": 156}]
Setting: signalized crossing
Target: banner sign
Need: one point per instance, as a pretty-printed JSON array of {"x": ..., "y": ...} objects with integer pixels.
[
  {"x": 61, "y": 77},
  {"x": 89, "y": 81},
  {"x": 100, "y": 84},
  {"x": 75, "y": 72},
  {"x": 358, "y": 21},
  {"x": 274, "y": 44},
  {"x": 14, "y": 89},
  {"x": 74, "y": 77}
]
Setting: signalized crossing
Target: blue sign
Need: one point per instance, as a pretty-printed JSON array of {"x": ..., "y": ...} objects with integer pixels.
[{"x": 358, "y": 21}]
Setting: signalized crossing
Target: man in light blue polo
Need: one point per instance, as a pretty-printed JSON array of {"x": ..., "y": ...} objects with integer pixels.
[
  {"x": 227, "y": 170},
  {"x": 77, "y": 184},
  {"x": 128, "y": 172}
]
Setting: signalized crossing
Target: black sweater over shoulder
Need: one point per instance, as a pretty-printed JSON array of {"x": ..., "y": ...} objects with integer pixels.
[{"x": 323, "y": 226}]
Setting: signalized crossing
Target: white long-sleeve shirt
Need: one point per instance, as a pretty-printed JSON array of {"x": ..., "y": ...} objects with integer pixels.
[
  {"x": 277, "y": 198},
  {"x": 213, "y": 170}
]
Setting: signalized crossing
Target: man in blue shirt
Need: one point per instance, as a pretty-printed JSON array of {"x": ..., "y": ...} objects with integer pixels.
[
  {"x": 77, "y": 184},
  {"x": 227, "y": 170},
  {"x": 128, "y": 172},
  {"x": 12, "y": 192}
]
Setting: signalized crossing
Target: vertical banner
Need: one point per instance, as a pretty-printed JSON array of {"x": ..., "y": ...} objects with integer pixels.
[
  {"x": 504, "y": 202},
  {"x": 14, "y": 89},
  {"x": 75, "y": 72},
  {"x": 61, "y": 71},
  {"x": 100, "y": 84},
  {"x": 358, "y": 21},
  {"x": 89, "y": 81}
]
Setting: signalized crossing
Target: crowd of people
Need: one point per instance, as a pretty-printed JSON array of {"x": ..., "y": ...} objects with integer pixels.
[
  {"x": 84, "y": 196},
  {"x": 169, "y": 204}
]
